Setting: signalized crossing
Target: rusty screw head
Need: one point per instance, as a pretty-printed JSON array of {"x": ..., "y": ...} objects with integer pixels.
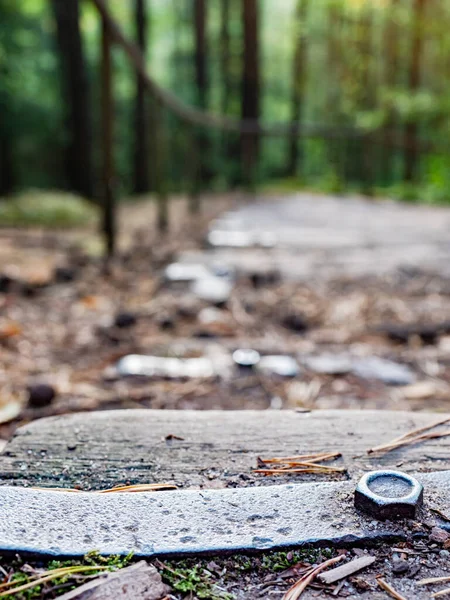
[{"x": 389, "y": 495}]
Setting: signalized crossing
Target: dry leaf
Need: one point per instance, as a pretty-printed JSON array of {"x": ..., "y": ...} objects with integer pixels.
[
  {"x": 91, "y": 302},
  {"x": 9, "y": 330},
  {"x": 10, "y": 410}
]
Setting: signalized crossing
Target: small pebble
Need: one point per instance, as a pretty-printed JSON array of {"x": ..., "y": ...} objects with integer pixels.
[
  {"x": 166, "y": 323},
  {"x": 125, "y": 319},
  {"x": 6, "y": 283},
  {"x": 399, "y": 567},
  {"x": 295, "y": 322},
  {"x": 64, "y": 274},
  {"x": 40, "y": 395},
  {"x": 439, "y": 535},
  {"x": 246, "y": 358}
]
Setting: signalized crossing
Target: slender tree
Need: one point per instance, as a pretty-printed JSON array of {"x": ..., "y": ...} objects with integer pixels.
[
  {"x": 6, "y": 164},
  {"x": 109, "y": 207},
  {"x": 391, "y": 71},
  {"x": 141, "y": 120},
  {"x": 250, "y": 86},
  {"x": 76, "y": 96},
  {"x": 201, "y": 52},
  {"x": 202, "y": 84},
  {"x": 414, "y": 80},
  {"x": 7, "y": 176},
  {"x": 336, "y": 149},
  {"x": 225, "y": 55},
  {"x": 368, "y": 92},
  {"x": 298, "y": 83}
]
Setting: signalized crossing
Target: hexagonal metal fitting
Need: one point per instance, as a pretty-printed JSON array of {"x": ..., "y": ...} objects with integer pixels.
[{"x": 389, "y": 495}]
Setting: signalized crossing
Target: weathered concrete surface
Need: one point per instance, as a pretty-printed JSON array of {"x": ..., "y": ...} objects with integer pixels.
[
  {"x": 194, "y": 522},
  {"x": 209, "y": 449},
  {"x": 330, "y": 236},
  {"x": 182, "y": 522}
]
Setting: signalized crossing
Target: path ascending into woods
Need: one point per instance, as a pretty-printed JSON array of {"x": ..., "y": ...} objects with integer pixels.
[
  {"x": 323, "y": 236},
  {"x": 352, "y": 274},
  {"x": 359, "y": 280}
]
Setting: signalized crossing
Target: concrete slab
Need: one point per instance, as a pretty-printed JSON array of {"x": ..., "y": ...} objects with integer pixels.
[{"x": 194, "y": 522}]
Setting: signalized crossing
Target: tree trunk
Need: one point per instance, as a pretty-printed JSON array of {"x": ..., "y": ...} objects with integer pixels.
[
  {"x": 391, "y": 39},
  {"x": 7, "y": 178},
  {"x": 225, "y": 55},
  {"x": 298, "y": 83},
  {"x": 76, "y": 97},
  {"x": 202, "y": 84},
  {"x": 109, "y": 209},
  {"x": 201, "y": 51},
  {"x": 250, "y": 86},
  {"x": 141, "y": 121},
  {"x": 366, "y": 97},
  {"x": 411, "y": 130},
  {"x": 337, "y": 149}
]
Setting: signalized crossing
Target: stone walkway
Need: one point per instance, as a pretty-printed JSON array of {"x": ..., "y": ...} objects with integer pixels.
[{"x": 314, "y": 235}]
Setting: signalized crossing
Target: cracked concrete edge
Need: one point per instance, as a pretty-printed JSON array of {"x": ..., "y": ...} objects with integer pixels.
[{"x": 196, "y": 522}]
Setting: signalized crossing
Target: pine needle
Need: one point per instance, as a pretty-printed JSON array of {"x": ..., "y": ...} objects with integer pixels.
[
  {"x": 389, "y": 589},
  {"x": 432, "y": 580},
  {"x": 311, "y": 458},
  {"x": 43, "y": 578},
  {"x": 412, "y": 437},
  {"x": 439, "y": 512},
  {"x": 300, "y": 586},
  {"x": 441, "y": 593},
  {"x": 304, "y": 463},
  {"x": 142, "y": 487},
  {"x": 305, "y": 469}
]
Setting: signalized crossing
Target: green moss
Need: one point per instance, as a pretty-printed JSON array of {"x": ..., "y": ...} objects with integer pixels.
[
  {"x": 21, "y": 574},
  {"x": 191, "y": 577},
  {"x": 46, "y": 209}
]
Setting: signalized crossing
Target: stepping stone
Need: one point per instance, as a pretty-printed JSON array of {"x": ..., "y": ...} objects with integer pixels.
[
  {"x": 193, "y": 522},
  {"x": 198, "y": 451},
  {"x": 205, "y": 449}
]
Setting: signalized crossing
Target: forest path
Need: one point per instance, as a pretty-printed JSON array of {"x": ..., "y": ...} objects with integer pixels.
[
  {"x": 342, "y": 290},
  {"x": 317, "y": 235}
]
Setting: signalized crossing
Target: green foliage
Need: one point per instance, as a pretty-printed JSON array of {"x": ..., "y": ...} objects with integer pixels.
[
  {"x": 346, "y": 85},
  {"x": 191, "y": 578},
  {"x": 280, "y": 561},
  {"x": 46, "y": 209},
  {"x": 22, "y": 573}
]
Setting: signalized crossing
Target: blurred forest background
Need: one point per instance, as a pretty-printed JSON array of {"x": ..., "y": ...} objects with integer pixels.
[{"x": 361, "y": 89}]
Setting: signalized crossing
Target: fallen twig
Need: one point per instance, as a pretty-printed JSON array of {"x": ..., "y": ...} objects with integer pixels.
[
  {"x": 299, "y": 587},
  {"x": 346, "y": 570},
  {"x": 389, "y": 589},
  {"x": 412, "y": 437}
]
